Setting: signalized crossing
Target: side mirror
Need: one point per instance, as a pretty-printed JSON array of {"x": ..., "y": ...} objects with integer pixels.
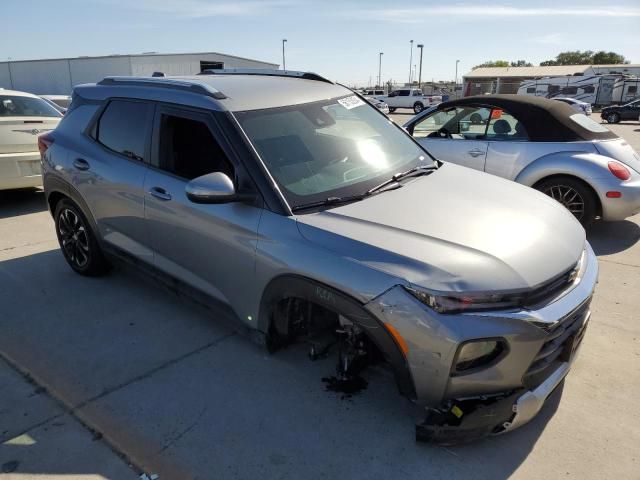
[{"x": 213, "y": 187}]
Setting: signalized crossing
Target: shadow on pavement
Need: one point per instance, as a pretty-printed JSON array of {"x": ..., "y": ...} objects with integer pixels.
[
  {"x": 167, "y": 384},
  {"x": 612, "y": 237},
  {"x": 14, "y": 203}
]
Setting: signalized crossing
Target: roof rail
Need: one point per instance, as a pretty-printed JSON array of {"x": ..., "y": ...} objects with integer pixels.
[
  {"x": 163, "y": 82},
  {"x": 266, "y": 72}
]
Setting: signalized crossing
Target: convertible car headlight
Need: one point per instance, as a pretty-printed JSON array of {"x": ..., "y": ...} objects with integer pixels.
[{"x": 453, "y": 303}]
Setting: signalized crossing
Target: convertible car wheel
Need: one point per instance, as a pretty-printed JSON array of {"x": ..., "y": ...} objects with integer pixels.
[
  {"x": 77, "y": 241},
  {"x": 574, "y": 195}
]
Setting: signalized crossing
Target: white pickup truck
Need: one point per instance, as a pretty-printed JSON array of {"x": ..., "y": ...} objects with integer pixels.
[{"x": 409, "y": 98}]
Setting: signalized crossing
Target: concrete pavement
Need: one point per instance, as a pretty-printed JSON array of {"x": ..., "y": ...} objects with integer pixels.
[{"x": 180, "y": 394}]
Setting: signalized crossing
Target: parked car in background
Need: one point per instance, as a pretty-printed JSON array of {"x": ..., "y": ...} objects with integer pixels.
[
  {"x": 23, "y": 117},
  {"x": 412, "y": 98},
  {"x": 541, "y": 143},
  {"x": 618, "y": 113},
  {"x": 310, "y": 217},
  {"x": 372, "y": 92},
  {"x": 379, "y": 104},
  {"x": 577, "y": 105},
  {"x": 63, "y": 101},
  {"x": 62, "y": 110}
]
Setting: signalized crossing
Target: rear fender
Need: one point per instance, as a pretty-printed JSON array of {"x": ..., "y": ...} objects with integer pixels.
[{"x": 585, "y": 166}]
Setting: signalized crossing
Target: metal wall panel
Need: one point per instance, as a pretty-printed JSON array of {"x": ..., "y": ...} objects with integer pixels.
[
  {"x": 91, "y": 70},
  {"x": 41, "y": 77},
  {"x": 188, "y": 64},
  {"x": 5, "y": 78}
]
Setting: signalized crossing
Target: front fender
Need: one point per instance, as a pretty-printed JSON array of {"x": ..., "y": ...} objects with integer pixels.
[{"x": 586, "y": 166}]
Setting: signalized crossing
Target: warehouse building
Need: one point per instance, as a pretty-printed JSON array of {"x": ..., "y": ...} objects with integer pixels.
[
  {"x": 58, "y": 76},
  {"x": 508, "y": 79}
]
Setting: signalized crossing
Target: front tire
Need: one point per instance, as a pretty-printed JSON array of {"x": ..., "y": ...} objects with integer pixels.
[
  {"x": 418, "y": 107},
  {"x": 613, "y": 118},
  {"x": 392, "y": 109},
  {"x": 574, "y": 195},
  {"x": 77, "y": 240}
]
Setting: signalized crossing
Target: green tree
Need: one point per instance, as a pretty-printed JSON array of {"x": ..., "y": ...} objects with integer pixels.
[
  {"x": 504, "y": 63},
  {"x": 585, "y": 58},
  {"x": 494, "y": 63},
  {"x": 521, "y": 63},
  {"x": 604, "y": 58}
]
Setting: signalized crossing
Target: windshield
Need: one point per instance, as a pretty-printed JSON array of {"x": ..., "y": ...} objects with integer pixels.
[
  {"x": 333, "y": 148},
  {"x": 17, "y": 106}
]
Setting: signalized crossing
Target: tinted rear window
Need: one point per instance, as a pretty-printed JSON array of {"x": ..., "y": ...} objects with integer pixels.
[
  {"x": 16, "y": 106},
  {"x": 124, "y": 128}
]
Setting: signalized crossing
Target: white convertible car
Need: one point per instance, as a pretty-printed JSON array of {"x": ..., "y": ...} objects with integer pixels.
[{"x": 23, "y": 117}]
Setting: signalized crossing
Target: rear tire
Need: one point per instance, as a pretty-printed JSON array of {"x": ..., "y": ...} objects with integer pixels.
[
  {"x": 574, "y": 195},
  {"x": 77, "y": 240},
  {"x": 613, "y": 118},
  {"x": 418, "y": 107}
]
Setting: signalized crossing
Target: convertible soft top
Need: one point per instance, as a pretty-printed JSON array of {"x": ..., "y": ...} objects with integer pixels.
[{"x": 545, "y": 120}]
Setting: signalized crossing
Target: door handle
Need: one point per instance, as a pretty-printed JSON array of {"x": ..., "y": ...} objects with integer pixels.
[
  {"x": 81, "y": 164},
  {"x": 160, "y": 193},
  {"x": 475, "y": 153}
]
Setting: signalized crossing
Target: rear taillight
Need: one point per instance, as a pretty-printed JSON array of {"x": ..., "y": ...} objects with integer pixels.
[
  {"x": 619, "y": 171},
  {"x": 44, "y": 142}
]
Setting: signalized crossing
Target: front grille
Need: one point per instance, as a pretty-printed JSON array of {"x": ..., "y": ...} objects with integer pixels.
[
  {"x": 552, "y": 288},
  {"x": 565, "y": 336}
]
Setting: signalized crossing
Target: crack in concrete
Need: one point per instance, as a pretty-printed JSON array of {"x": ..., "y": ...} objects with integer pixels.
[
  {"x": 148, "y": 373},
  {"x": 618, "y": 263},
  {"x": 183, "y": 432}
]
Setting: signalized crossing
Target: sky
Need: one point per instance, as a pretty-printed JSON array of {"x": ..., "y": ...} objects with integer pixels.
[{"x": 339, "y": 39}]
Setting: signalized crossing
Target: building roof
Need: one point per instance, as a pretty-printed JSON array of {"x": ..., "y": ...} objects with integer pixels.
[
  {"x": 556, "y": 70},
  {"x": 127, "y": 55}
]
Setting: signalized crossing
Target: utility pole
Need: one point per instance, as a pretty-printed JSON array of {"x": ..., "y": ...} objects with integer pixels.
[
  {"x": 410, "y": 60},
  {"x": 380, "y": 69},
  {"x": 284, "y": 63},
  {"x": 455, "y": 82},
  {"x": 420, "y": 46}
]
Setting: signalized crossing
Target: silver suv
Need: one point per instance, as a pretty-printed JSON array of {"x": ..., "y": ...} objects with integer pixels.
[{"x": 310, "y": 216}]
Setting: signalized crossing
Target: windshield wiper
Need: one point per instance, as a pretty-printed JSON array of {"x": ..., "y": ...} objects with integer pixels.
[
  {"x": 328, "y": 201},
  {"x": 413, "y": 172}
]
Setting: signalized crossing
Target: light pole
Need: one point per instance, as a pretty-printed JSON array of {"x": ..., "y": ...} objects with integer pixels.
[
  {"x": 420, "y": 46},
  {"x": 455, "y": 81},
  {"x": 284, "y": 63},
  {"x": 410, "y": 60},
  {"x": 380, "y": 69}
]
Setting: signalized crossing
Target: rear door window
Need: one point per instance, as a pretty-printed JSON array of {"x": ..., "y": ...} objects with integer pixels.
[
  {"x": 124, "y": 128},
  {"x": 505, "y": 127}
]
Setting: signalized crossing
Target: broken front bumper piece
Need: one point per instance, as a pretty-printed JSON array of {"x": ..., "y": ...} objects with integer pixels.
[{"x": 471, "y": 419}]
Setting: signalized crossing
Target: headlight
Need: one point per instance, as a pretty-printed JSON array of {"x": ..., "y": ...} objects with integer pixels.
[
  {"x": 452, "y": 303},
  {"x": 462, "y": 302}
]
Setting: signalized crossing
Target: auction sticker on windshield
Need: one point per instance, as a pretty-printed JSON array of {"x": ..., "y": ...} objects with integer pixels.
[{"x": 350, "y": 102}]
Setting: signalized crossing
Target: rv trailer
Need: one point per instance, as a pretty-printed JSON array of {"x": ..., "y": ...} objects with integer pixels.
[{"x": 598, "y": 90}]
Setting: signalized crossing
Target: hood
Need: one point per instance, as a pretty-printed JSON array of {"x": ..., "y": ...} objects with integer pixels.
[{"x": 455, "y": 230}]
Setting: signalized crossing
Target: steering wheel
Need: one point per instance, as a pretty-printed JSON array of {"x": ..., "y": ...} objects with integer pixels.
[{"x": 441, "y": 133}]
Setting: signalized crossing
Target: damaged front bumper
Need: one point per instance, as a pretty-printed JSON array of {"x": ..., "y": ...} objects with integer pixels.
[
  {"x": 488, "y": 415},
  {"x": 503, "y": 394}
]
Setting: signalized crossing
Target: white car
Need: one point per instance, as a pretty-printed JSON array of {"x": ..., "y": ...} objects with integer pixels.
[
  {"x": 412, "y": 98},
  {"x": 379, "y": 104},
  {"x": 577, "y": 105},
  {"x": 23, "y": 117}
]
